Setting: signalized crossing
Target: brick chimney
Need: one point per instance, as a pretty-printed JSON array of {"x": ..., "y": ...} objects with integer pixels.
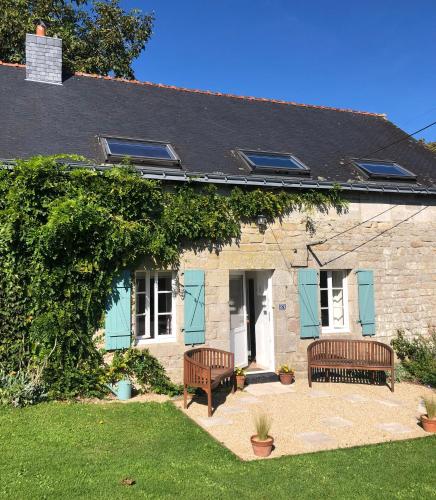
[{"x": 43, "y": 57}]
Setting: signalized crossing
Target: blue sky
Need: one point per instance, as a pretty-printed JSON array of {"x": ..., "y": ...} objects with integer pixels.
[{"x": 368, "y": 55}]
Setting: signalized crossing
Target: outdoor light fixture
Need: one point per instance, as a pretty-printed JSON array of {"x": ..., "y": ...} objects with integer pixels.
[{"x": 261, "y": 221}]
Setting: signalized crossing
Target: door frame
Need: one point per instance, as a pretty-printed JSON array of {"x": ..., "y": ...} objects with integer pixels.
[
  {"x": 244, "y": 291},
  {"x": 270, "y": 311}
]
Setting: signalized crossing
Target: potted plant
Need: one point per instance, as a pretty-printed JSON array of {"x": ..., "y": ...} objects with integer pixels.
[
  {"x": 262, "y": 442},
  {"x": 240, "y": 378},
  {"x": 429, "y": 421},
  {"x": 117, "y": 378},
  {"x": 286, "y": 374}
]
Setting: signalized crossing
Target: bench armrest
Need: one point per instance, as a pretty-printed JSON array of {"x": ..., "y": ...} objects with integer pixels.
[{"x": 196, "y": 374}]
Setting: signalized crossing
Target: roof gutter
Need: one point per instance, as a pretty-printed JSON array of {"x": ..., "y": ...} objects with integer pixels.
[
  {"x": 263, "y": 181},
  {"x": 255, "y": 180}
]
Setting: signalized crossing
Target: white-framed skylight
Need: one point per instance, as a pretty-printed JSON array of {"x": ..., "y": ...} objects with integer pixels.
[
  {"x": 273, "y": 163},
  {"x": 381, "y": 169},
  {"x": 139, "y": 151}
]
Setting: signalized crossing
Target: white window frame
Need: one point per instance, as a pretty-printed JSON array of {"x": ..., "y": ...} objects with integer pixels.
[
  {"x": 346, "y": 327},
  {"x": 147, "y": 338}
]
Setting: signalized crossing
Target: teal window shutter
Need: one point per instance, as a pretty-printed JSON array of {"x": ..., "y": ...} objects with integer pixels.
[
  {"x": 309, "y": 297},
  {"x": 194, "y": 326},
  {"x": 118, "y": 313},
  {"x": 365, "y": 283}
]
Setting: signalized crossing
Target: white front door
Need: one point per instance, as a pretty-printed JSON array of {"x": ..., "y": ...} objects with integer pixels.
[
  {"x": 264, "y": 331},
  {"x": 238, "y": 319}
]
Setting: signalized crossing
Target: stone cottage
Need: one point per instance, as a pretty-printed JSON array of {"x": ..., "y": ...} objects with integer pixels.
[{"x": 364, "y": 273}]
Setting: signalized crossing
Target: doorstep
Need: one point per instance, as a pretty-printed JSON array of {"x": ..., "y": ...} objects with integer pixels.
[{"x": 260, "y": 377}]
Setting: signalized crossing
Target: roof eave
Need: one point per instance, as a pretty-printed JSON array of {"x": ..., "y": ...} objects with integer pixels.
[
  {"x": 264, "y": 181},
  {"x": 172, "y": 175}
]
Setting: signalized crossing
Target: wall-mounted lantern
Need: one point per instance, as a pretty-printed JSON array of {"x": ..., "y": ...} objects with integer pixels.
[{"x": 261, "y": 222}]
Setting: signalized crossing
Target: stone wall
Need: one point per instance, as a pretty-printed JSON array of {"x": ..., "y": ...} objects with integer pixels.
[{"x": 394, "y": 236}]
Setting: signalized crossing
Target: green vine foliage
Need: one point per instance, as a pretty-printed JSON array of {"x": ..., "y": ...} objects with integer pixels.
[{"x": 66, "y": 232}]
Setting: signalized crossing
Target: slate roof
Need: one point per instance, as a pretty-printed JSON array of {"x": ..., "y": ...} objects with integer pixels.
[{"x": 204, "y": 127}]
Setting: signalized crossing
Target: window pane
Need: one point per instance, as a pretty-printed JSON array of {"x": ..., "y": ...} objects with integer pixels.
[
  {"x": 324, "y": 298},
  {"x": 164, "y": 283},
  {"x": 164, "y": 302},
  {"x": 338, "y": 308},
  {"x": 338, "y": 297},
  {"x": 164, "y": 325},
  {"x": 324, "y": 317},
  {"x": 338, "y": 317},
  {"x": 140, "y": 284},
  {"x": 337, "y": 277},
  {"x": 140, "y": 326},
  {"x": 236, "y": 302},
  {"x": 140, "y": 303},
  {"x": 139, "y": 149},
  {"x": 385, "y": 169},
  {"x": 274, "y": 161},
  {"x": 323, "y": 279}
]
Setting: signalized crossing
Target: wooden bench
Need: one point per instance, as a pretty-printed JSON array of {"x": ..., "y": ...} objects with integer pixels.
[
  {"x": 206, "y": 368},
  {"x": 350, "y": 355}
]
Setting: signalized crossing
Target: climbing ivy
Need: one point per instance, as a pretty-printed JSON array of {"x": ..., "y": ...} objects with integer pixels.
[{"x": 66, "y": 232}]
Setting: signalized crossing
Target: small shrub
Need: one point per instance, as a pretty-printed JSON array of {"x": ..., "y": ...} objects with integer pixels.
[
  {"x": 21, "y": 388},
  {"x": 417, "y": 355},
  {"x": 430, "y": 406},
  {"x": 240, "y": 372},
  {"x": 401, "y": 374},
  {"x": 117, "y": 370},
  {"x": 143, "y": 368},
  {"x": 262, "y": 424},
  {"x": 86, "y": 381}
]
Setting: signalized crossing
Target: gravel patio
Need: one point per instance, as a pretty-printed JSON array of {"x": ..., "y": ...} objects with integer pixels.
[{"x": 328, "y": 416}]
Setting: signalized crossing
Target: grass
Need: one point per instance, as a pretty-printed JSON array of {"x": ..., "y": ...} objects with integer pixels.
[{"x": 84, "y": 451}]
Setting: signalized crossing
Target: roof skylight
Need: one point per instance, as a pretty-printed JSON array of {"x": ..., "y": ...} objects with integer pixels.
[
  {"x": 148, "y": 152},
  {"x": 384, "y": 169},
  {"x": 270, "y": 162}
]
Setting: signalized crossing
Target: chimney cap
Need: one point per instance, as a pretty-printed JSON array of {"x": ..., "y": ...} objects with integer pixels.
[{"x": 40, "y": 27}]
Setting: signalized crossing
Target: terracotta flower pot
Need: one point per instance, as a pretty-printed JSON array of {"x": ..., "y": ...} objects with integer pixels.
[
  {"x": 262, "y": 448},
  {"x": 428, "y": 424},
  {"x": 286, "y": 378},
  {"x": 240, "y": 382}
]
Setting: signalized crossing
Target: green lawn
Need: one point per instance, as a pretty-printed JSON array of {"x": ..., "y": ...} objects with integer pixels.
[{"x": 84, "y": 451}]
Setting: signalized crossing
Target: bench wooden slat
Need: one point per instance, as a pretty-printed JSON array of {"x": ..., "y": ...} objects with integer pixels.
[{"x": 350, "y": 354}]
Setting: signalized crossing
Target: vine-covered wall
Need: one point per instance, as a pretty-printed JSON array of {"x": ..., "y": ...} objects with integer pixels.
[{"x": 66, "y": 232}]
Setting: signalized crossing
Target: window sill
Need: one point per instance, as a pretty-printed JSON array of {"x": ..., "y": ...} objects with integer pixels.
[
  {"x": 145, "y": 341},
  {"x": 339, "y": 332}
]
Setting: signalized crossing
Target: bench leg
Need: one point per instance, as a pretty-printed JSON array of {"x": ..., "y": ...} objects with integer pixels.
[
  {"x": 309, "y": 375},
  {"x": 327, "y": 375},
  {"x": 233, "y": 382},
  {"x": 185, "y": 396},
  {"x": 209, "y": 402}
]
